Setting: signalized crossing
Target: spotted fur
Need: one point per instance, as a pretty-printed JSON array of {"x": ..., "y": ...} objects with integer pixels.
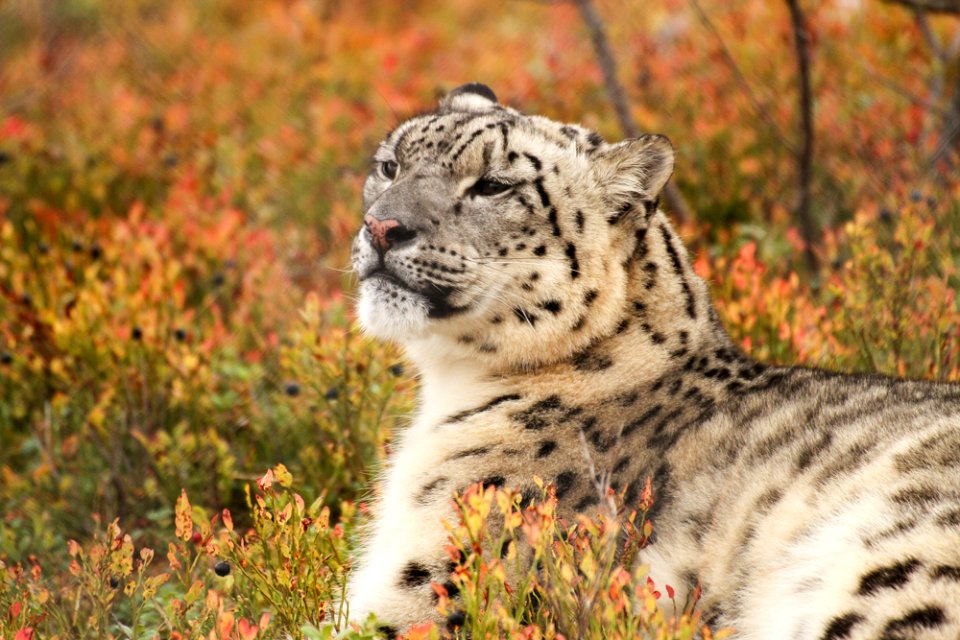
[{"x": 558, "y": 327}]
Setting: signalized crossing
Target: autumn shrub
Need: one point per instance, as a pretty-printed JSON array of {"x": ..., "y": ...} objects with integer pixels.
[
  {"x": 520, "y": 570},
  {"x": 149, "y": 355},
  {"x": 281, "y": 577},
  {"x": 179, "y": 184}
]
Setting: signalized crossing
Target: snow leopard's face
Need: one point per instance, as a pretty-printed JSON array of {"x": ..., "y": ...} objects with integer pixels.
[{"x": 500, "y": 235}]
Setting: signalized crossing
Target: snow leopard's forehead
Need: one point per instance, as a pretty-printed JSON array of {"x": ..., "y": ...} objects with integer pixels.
[{"x": 441, "y": 138}]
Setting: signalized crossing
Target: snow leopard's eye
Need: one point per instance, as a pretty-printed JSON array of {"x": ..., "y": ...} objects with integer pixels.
[
  {"x": 487, "y": 187},
  {"x": 388, "y": 169}
]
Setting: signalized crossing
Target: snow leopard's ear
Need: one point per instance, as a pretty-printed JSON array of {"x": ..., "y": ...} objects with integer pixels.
[
  {"x": 632, "y": 174},
  {"x": 469, "y": 97}
]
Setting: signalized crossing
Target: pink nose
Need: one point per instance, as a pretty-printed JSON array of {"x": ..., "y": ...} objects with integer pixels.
[{"x": 378, "y": 231}]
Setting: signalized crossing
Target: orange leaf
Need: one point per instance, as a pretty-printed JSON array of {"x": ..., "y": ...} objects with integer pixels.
[{"x": 247, "y": 630}]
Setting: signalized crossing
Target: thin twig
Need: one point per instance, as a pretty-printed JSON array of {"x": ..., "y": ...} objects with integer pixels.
[
  {"x": 902, "y": 91},
  {"x": 801, "y": 40},
  {"x": 741, "y": 79},
  {"x": 928, "y": 35},
  {"x": 618, "y": 97}
]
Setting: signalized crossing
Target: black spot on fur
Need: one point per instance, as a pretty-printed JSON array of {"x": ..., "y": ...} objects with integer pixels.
[
  {"x": 466, "y": 453},
  {"x": 426, "y": 491},
  {"x": 542, "y": 192},
  {"x": 601, "y": 443},
  {"x": 539, "y": 251},
  {"x": 887, "y": 577},
  {"x": 585, "y": 502},
  {"x": 646, "y": 417},
  {"x": 916, "y": 620},
  {"x": 512, "y": 157},
  {"x": 463, "y": 415},
  {"x": 494, "y": 481},
  {"x": 923, "y": 497},
  {"x": 621, "y": 465},
  {"x": 767, "y": 499},
  {"x": 590, "y": 361},
  {"x": 595, "y": 139},
  {"x": 650, "y": 207},
  {"x": 811, "y": 451},
  {"x": 589, "y": 297},
  {"x": 574, "y": 263},
  {"x": 579, "y": 220},
  {"x": 546, "y": 448},
  {"x": 565, "y": 482},
  {"x": 946, "y": 572},
  {"x": 535, "y": 161},
  {"x": 414, "y": 575},
  {"x": 949, "y": 519},
  {"x": 841, "y": 626},
  {"x": 538, "y": 415},
  {"x": 553, "y": 306},
  {"x": 525, "y": 316},
  {"x": 388, "y": 632},
  {"x": 552, "y": 219}
]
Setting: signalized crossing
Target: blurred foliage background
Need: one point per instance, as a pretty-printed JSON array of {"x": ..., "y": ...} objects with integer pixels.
[{"x": 179, "y": 185}]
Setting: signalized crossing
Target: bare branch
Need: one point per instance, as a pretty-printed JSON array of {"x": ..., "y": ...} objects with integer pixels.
[
  {"x": 801, "y": 39},
  {"x": 618, "y": 97},
  {"x": 928, "y": 35},
  {"x": 950, "y": 137},
  {"x": 758, "y": 108},
  {"x": 935, "y": 6}
]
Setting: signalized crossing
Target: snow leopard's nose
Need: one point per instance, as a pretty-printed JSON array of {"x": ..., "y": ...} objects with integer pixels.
[{"x": 385, "y": 234}]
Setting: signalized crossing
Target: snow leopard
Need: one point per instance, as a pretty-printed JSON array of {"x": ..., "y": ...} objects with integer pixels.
[{"x": 557, "y": 327}]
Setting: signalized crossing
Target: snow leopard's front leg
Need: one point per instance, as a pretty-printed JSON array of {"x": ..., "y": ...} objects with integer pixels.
[{"x": 404, "y": 551}]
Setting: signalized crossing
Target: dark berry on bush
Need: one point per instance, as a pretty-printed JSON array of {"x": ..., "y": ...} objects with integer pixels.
[
  {"x": 915, "y": 196},
  {"x": 136, "y": 333},
  {"x": 886, "y": 216},
  {"x": 43, "y": 248},
  {"x": 5, "y": 358},
  {"x": 96, "y": 252},
  {"x": 26, "y": 300},
  {"x": 196, "y": 538},
  {"x": 4, "y": 158},
  {"x": 292, "y": 389},
  {"x": 455, "y": 620},
  {"x": 332, "y": 393},
  {"x": 931, "y": 202},
  {"x": 222, "y": 569},
  {"x": 219, "y": 279},
  {"x": 397, "y": 369},
  {"x": 77, "y": 246},
  {"x": 170, "y": 160},
  {"x": 114, "y": 582},
  {"x": 180, "y": 334}
]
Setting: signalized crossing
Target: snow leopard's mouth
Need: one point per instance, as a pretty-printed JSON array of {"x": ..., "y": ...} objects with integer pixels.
[{"x": 385, "y": 275}]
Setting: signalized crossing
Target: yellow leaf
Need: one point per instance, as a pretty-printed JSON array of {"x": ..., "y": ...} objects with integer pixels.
[
  {"x": 283, "y": 476},
  {"x": 184, "y": 517}
]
